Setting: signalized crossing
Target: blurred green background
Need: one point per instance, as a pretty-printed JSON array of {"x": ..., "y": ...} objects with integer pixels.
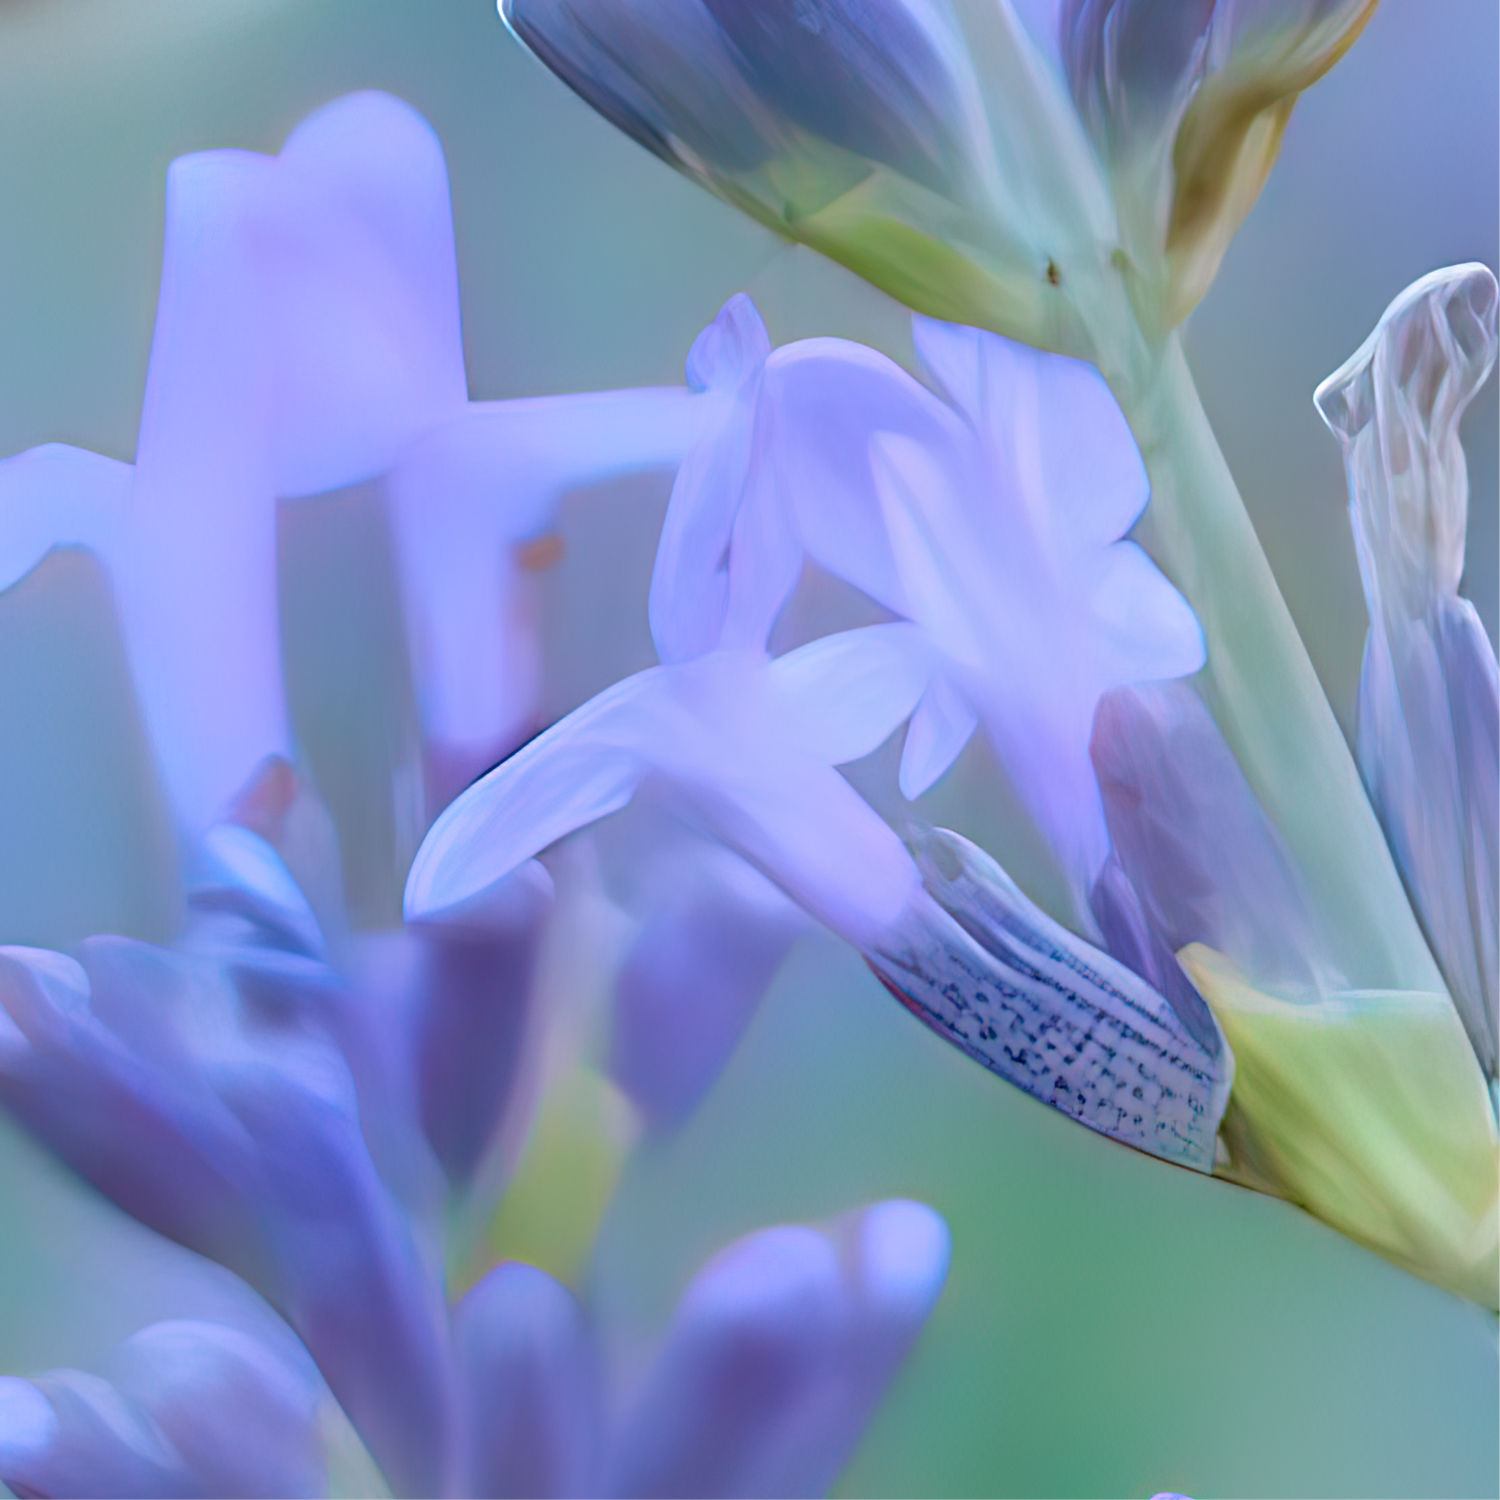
[{"x": 1111, "y": 1326}]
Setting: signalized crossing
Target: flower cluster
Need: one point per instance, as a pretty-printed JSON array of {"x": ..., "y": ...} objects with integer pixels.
[{"x": 329, "y": 1106}]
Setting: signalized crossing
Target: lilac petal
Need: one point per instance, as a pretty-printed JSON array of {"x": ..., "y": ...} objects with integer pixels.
[
  {"x": 73, "y": 1434},
  {"x": 731, "y": 349},
  {"x": 842, "y": 696},
  {"x": 1053, "y": 419},
  {"x": 580, "y": 770},
  {"x": 1205, "y": 861},
  {"x": 465, "y": 496},
  {"x": 895, "y": 1261},
  {"x": 57, "y": 496},
  {"x": 989, "y": 971},
  {"x": 242, "y": 1420},
  {"x": 753, "y": 1339},
  {"x": 708, "y": 949},
  {"x": 530, "y": 1388},
  {"x": 361, "y": 292},
  {"x": 473, "y": 1008},
  {"x": 940, "y": 727},
  {"x": 1146, "y": 630}
]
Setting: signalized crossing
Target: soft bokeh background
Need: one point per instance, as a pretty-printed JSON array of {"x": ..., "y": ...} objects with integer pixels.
[{"x": 1111, "y": 1326}]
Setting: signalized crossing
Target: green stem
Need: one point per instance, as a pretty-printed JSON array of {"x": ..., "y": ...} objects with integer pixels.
[{"x": 1263, "y": 689}]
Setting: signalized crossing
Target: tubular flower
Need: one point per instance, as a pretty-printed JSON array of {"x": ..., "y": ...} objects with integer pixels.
[
  {"x": 307, "y": 341},
  {"x": 1187, "y": 103},
  {"x": 745, "y": 747},
  {"x": 238, "y": 1096}
]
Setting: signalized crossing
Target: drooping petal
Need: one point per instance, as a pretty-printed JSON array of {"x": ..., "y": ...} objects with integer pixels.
[
  {"x": 710, "y": 943},
  {"x": 530, "y": 1387},
  {"x": 753, "y": 1339},
  {"x": 1191, "y": 836},
  {"x": 990, "y": 972},
  {"x": 1428, "y": 689},
  {"x": 585, "y": 767}
]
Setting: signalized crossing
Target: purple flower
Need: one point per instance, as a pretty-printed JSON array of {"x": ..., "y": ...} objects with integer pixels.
[{"x": 308, "y": 340}]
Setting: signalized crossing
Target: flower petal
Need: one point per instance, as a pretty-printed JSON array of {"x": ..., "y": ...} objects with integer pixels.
[
  {"x": 531, "y": 1389},
  {"x": 708, "y": 948},
  {"x": 1191, "y": 835},
  {"x": 753, "y": 1338},
  {"x": 57, "y": 496},
  {"x": 1147, "y": 630},
  {"x": 940, "y": 727},
  {"x": 464, "y": 496},
  {"x": 583, "y": 768}
]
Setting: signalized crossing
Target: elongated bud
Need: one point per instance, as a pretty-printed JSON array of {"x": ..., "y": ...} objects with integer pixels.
[
  {"x": 1429, "y": 699},
  {"x": 1187, "y": 100},
  {"x": 856, "y": 127}
]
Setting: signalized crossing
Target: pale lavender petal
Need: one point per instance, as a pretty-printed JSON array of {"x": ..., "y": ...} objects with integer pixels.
[
  {"x": 1054, "y": 429},
  {"x": 986, "y": 969},
  {"x": 942, "y": 724},
  {"x": 361, "y": 287},
  {"x": 1145, "y": 630},
  {"x": 690, "y": 583},
  {"x": 243, "y": 881},
  {"x": 1206, "y": 862},
  {"x": 842, "y": 696},
  {"x": 465, "y": 497},
  {"x": 582, "y": 769},
  {"x": 711, "y": 943},
  {"x": 754, "y": 1337},
  {"x": 57, "y": 496},
  {"x": 68, "y": 1433},
  {"x": 895, "y": 1261},
  {"x": 243, "y": 1420},
  {"x": 530, "y": 1388}
]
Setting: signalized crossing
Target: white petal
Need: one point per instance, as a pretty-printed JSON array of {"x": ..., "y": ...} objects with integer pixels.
[{"x": 57, "y": 496}]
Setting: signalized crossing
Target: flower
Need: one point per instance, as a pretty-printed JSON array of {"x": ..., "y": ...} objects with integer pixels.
[
  {"x": 744, "y": 746},
  {"x": 1187, "y": 103},
  {"x": 230, "y": 1094},
  {"x": 307, "y": 340},
  {"x": 992, "y": 519}
]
